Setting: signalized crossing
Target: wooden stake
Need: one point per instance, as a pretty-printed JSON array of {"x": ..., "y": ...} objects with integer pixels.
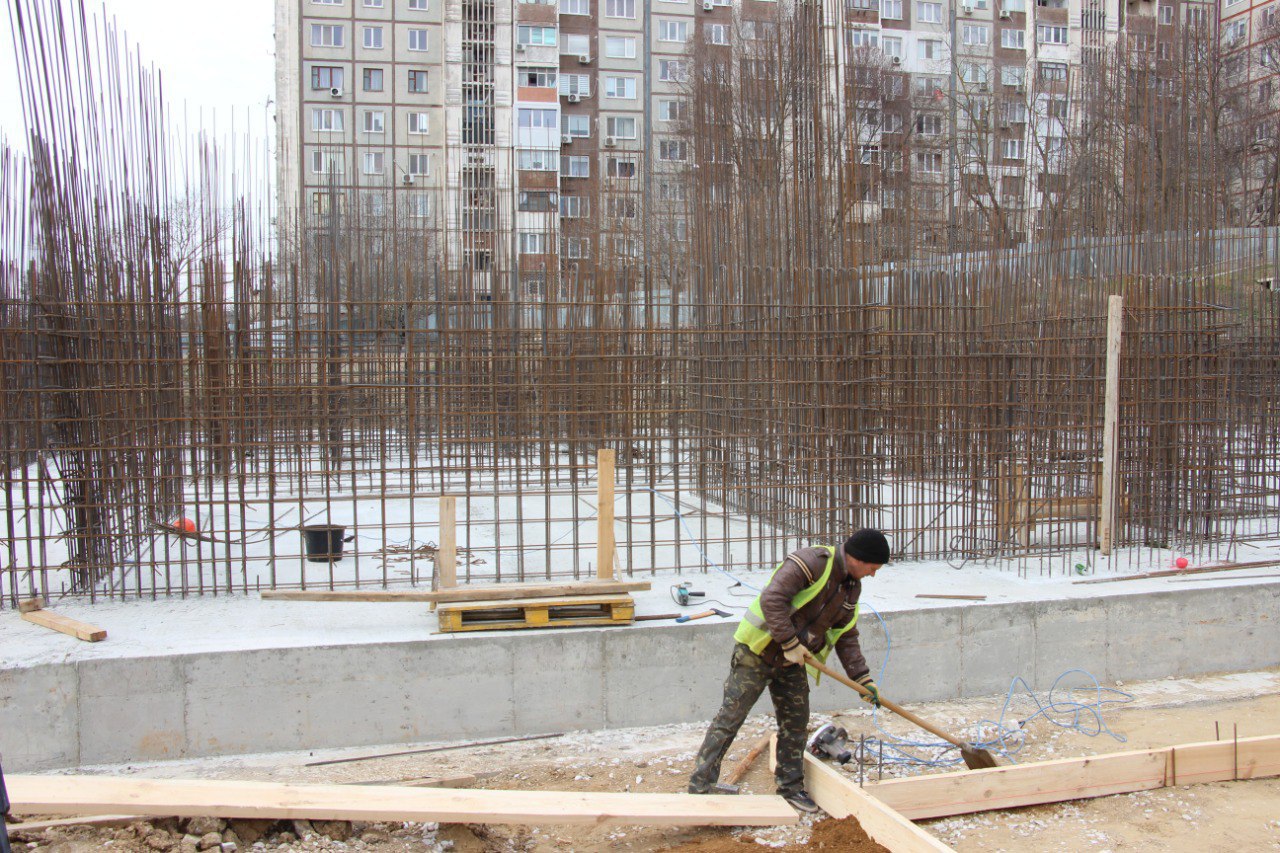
[
  {"x": 740, "y": 769},
  {"x": 1110, "y": 426},
  {"x": 605, "y": 461},
  {"x": 447, "y": 554},
  {"x": 64, "y": 624}
]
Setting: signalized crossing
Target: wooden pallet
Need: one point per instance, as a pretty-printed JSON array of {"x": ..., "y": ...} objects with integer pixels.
[{"x": 562, "y": 612}]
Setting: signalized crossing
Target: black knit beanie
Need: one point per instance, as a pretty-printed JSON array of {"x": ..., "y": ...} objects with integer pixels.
[{"x": 869, "y": 546}]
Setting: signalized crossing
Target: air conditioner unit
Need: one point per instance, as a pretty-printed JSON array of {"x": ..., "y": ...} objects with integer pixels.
[
  {"x": 566, "y": 139},
  {"x": 575, "y": 98},
  {"x": 1004, "y": 124},
  {"x": 335, "y": 92},
  {"x": 983, "y": 87},
  {"x": 896, "y": 60},
  {"x": 1020, "y": 89},
  {"x": 708, "y": 6},
  {"x": 966, "y": 9},
  {"x": 584, "y": 59},
  {"x": 408, "y": 179},
  {"x": 610, "y": 141},
  {"x": 1005, "y": 14},
  {"x": 520, "y": 48}
]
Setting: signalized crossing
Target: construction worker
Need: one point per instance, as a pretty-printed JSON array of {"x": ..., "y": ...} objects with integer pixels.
[{"x": 809, "y": 605}]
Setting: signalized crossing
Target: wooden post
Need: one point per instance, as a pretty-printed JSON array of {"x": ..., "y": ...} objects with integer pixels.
[
  {"x": 1110, "y": 424},
  {"x": 604, "y": 500},
  {"x": 447, "y": 555}
]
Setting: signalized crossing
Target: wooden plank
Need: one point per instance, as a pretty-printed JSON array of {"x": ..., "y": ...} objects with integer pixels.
[
  {"x": 30, "y": 604},
  {"x": 841, "y": 797},
  {"x": 605, "y": 463},
  {"x": 66, "y": 625},
  {"x": 447, "y": 553},
  {"x": 1110, "y": 426},
  {"x": 273, "y": 800},
  {"x": 1165, "y": 573},
  {"x": 944, "y": 794},
  {"x": 499, "y": 592},
  {"x": 34, "y": 826}
]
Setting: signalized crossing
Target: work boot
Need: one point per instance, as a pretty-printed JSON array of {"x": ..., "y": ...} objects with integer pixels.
[{"x": 801, "y": 802}]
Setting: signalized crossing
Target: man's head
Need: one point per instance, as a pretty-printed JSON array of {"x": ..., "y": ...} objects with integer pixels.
[{"x": 865, "y": 552}]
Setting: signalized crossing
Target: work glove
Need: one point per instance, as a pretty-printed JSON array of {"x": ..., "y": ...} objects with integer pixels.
[
  {"x": 794, "y": 652},
  {"x": 873, "y": 693}
]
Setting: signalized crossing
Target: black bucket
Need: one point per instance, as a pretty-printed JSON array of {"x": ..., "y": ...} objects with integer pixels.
[{"x": 323, "y": 542}]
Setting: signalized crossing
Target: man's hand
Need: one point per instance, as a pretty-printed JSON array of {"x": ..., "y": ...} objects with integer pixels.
[
  {"x": 873, "y": 693},
  {"x": 795, "y": 652}
]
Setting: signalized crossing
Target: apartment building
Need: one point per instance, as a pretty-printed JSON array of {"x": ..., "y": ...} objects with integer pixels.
[{"x": 545, "y": 138}]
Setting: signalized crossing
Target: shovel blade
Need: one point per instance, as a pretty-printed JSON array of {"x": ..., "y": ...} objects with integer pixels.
[{"x": 977, "y": 759}]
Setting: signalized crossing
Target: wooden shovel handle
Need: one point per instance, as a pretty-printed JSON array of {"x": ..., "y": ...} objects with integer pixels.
[{"x": 892, "y": 706}]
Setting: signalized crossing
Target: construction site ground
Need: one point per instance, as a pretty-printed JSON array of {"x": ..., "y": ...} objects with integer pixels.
[{"x": 1218, "y": 816}]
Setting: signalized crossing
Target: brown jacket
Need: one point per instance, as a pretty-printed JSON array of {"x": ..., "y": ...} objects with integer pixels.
[{"x": 830, "y": 608}]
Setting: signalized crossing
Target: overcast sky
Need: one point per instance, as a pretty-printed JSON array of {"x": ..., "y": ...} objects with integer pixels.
[{"x": 213, "y": 56}]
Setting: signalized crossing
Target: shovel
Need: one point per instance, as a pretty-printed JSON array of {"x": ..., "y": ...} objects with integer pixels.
[{"x": 974, "y": 758}]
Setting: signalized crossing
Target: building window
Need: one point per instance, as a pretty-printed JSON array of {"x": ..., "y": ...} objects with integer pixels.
[
  {"x": 327, "y": 2},
  {"x": 576, "y": 44},
  {"x": 1013, "y": 75},
  {"x": 326, "y": 77},
  {"x": 673, "y": 30},
  {"x": 859, "y": 5},
  {"x": 673, "y": 109},
  {"x": 976, "y": 35},
  {"x": 929, "y": 87},
  {"x": 1046, "y": 34},
  {"x": 673, "y": 70},
  {"x": 575, "y": 166},
  {"x": 417, "y": 39},
  {"x": 622, "y": 207},
  {"x": 536, "y": 36},
  {"x": 417, "y": 81},
  {"x": 929, "y": 49},
  {"x": 1015, "y": 112},
  {"x": 419, "y": 122},
  {"x": 1166, "y": 15},
  {"x": 672, "y": 191},
  {"x": 863, "y": 38},
  {"x": 891, "y": 9},
  {"x": 575, "y": 84},
  {"x": 673, "y": 150},
  {"x": 373, "y": 38},
  {"x": 1014, "y": 149},
  {"x": 621, "y": 127},
  {"x": 538, "y": 78},
  {"x": 575, "y": 125},
  {"x": 536, "y": 160},
  {"x": 326, "y": 35},
  {"x": 324, "y": 119},
  {"x": 892, "y": 46},
  {"x": 535, "y": 118},
  {"x": 539, "y": 201},
  {"x": 374, "y": 121},
  {"x": 533, "y": 243},
  {"x": 419, "y": 164},
  {"x": 1057, "y": 108},
  {"x": 620, "y": 8},
  {"x": 323, "y": 162},
  {"x": 320, "y": 203},
  {"x": 575, "y": 7},
  {"x": 373, "y": 162},
  {"x": 621, "y": 167},
  {"x": 620, "y": 47},
  {"x": 620, "y": 87},
  {"x": 576, "y": 247},
  {"x": 373, "y": 4},
  {"x": 929, "y": 162},
  {"x": 929, "y": 124},
  {"x": 418, "y": 5},
  {"x": 929, "y": 13},
  {"x": 1053, "y": 72},
  {"x": 1013, "y": 39},
  {"x": 372, "y": 79},
  {"x": 374, "y": 204},
  {"x": 573, "y": 206},
  {"x": 419, "y": 205}
]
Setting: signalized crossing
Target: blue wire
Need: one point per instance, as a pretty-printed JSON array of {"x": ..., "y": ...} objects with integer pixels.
[{"x": 694, "y": 539}]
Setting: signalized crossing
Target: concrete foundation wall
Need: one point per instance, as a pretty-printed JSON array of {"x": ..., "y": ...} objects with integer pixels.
[{"x": 531, "y": 682}]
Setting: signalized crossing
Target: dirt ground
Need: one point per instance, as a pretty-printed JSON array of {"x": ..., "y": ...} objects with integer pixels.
[{"x": 1242, "y": 816}]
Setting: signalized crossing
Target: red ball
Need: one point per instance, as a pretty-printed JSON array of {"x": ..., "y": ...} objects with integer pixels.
[
  {"x": 1181, "y": 562},
  {"x": 186, "y": 525}
]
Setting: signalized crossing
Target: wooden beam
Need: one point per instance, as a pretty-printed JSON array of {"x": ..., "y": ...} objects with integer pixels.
[
  {"x": 64, "y": 624},
  {"x": 605, "y": 463},
  {"x": 273, "y": 800},
  {"x": 492, "y": 592},
  {"x": 944, "y": 794},
  {"x": 841, "y": 797},
  {"x": 95, "y": 820},
  {"x": 447, "y": 553},
  {"x": 1200, "y": 570},
  {"x": 1110, "y": 426}
]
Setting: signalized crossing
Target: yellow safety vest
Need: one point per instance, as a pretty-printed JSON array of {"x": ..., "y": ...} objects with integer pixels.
[{"x": 753, "y": 632}]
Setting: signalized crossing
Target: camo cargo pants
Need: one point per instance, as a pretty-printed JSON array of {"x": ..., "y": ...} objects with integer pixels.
[{"x": 748, "y": 677}]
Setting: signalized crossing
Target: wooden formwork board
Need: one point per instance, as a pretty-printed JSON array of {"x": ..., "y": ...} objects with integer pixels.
[
  {"x": 487, "y": 592},
  {"x": 562, "y": 612},
  {"x": 273, "y": 800}
]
